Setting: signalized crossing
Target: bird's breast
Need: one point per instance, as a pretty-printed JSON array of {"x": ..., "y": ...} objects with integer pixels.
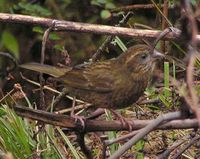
[{"x": 128, "y": 94}]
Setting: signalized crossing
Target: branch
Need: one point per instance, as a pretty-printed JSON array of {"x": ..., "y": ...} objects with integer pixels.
[
  {"x": 167, "y": 152},
  {"x": 98, "y": 125},
  {"x": 61, "y": 25},
  {"x": 191, "y": 142},
  {"x": 190, "y": 33},
  {"x": 144, "y": 131},
  {"x": 135, "y": 7},
  {"x": 110, "y": 38}
]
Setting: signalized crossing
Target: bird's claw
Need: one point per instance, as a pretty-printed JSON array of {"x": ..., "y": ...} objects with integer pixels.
[
  {"x": 80, "y": 119},
  {"x": 122, "y": 120},
  {"x": 125, "y": 123}
]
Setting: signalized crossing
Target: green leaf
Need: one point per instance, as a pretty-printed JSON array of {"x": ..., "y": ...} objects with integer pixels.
[
  {"x": 33, "y": 9},
  {"x": 58, "y": 47},
  {"x": 140, "y": 145},
  {"x": 54, "y": 36},
  {"x": 102, "y": 1},
  {"x": 98, "y": 2},
  {"x": 139, "y": 156},
  {"x": 10, "y": 43},
  {"x": 164, "y": 100},
  {"x": 38, "y": 29},
  {"x": 110, "y": 6},
  {"x": 2, "y": 112},
  {"x": 153, "y": 107},
  {"x": 94, "y": 2},
  {"x": 2, "y": 5},
  {"x": 194, "y": 2},
  {"x": 105, "y": 14}
]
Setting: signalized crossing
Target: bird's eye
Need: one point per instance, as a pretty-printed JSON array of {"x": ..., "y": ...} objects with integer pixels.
[{"x": 143, "y": 56}]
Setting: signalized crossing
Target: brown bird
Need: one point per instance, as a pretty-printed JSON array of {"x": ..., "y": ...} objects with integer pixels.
[{"x": 112, "y": 84}]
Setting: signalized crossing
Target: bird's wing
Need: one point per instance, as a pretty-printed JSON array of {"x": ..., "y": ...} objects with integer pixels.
[
  {"x": 47, "y": 69},
  {"x": 96, "y": 77}
]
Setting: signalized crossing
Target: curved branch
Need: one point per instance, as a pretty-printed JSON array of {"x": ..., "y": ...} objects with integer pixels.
[
  {"x": 61, "y": 25},
  {"x": 98, "y": 125}
]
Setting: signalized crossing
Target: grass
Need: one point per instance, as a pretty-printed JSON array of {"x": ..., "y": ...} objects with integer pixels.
[
  {"x": 23, "y": 138},
  {"x": 15, "y": 136}
]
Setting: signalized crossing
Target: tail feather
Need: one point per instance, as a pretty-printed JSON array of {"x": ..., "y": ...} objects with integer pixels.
[{"x": 47, "y": 69}]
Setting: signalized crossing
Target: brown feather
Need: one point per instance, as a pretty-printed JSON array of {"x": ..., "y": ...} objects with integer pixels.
[{"x": 114, "y": 83}]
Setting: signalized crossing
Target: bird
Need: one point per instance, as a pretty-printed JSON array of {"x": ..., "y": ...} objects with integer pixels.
[{"x": 114, "y": 83}]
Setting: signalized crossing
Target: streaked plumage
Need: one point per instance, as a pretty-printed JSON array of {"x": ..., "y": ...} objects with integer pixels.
[{"x": 114, "y": 83}]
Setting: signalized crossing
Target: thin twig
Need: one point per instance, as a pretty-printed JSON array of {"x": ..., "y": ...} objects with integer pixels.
[
  {"x": 193, "y": 100},
  {"x": 164, "y": 23},
  {"x": 50, "y": 89},
  {"x": 7, "y": 94},
  {"x": 41, "y": 79},
  {"x": 166, "y": 19},
  {"x": 110, "y": 142},
  {"x": 164, "y": 33},
  {"x": 167, "y": 152},
  {"x": 143, "y": 132},
  {"x": 109, "y": 38},
  {"x": 194, "y": 104},
  {"x": 192, "y": 141},
  {"x": 134, "y": 7}
]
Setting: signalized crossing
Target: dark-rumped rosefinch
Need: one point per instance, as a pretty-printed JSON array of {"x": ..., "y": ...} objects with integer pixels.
[{"x": 114, "y": 83}]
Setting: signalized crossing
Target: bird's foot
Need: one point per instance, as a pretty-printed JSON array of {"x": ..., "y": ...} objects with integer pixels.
[
  {"x": 122, "y": 120},
  {"x": 125, "y": 122},
  {"x": 96, "y": 113},
  {"x": 80, "y": 119}
]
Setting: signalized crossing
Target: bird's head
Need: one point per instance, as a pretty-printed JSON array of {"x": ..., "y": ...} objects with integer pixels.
[{"x": 140, "y": 58}]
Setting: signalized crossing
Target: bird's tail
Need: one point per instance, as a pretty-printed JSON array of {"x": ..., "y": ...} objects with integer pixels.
[{"x": 47, "y": 69}]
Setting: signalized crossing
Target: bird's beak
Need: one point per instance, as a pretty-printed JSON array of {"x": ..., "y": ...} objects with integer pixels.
[{"x": 157, "y": 55}]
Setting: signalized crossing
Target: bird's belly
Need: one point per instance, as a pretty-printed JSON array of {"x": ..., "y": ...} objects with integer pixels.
[
  {"x": 117, "y": 99},
  {"x": 126, "y": 97},
  {"x": 99, "y": 100},
  {"x": 126, "y": 100}
]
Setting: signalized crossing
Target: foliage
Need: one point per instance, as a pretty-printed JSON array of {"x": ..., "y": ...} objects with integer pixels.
[
  {"x": 10, "y": 42},
  {"x": 139, "y": 147},
  {"x": 16, "y": 136},
  {"x": 23, "y": 138}
]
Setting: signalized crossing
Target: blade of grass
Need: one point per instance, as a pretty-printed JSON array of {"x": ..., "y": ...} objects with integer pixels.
[
  {"x": 166, "y": 79},
  {"x": 120, "y": 44},
  {"x": 164, "y": 100},
  {"x": 14, "y": 134},
  {"x": 112, "y": 134},
  {"x": 167, "y": 20},
  {"x": 54, "y": 146},
  {"x": 71, "y": 147},
  {"x": 174, "y": 70}
]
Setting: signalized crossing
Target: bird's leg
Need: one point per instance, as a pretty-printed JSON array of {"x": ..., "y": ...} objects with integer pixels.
[
  {"x": 96, "y": 113},
  {"x": 76, "y": 117},
  {"x": 58, "y": 98},
  {"x": 73, "y": 107},
  {"x": 123, "y": 121}
]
